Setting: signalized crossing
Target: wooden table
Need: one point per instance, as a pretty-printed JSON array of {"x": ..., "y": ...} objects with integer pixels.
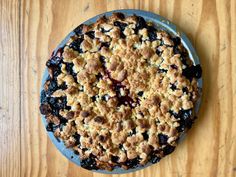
[{"x": 30, "y": 30}]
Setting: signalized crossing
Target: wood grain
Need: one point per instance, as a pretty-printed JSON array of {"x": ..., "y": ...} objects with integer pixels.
[
  {"x": 10, "y": 89},
  {"x": 31, "y": 29}
]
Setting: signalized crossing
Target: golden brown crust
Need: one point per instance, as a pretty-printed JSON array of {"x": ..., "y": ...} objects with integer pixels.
[{"x": 126, "y": 93}]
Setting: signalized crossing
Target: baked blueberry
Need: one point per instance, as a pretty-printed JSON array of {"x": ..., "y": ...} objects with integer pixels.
[
  {"x": 52, "y": 87},
  {"x": 51, "y": 127},
  {"x": 173, "y": 87},
  {"x": 114, "y": 159},
  {"x": 54, "y": 61},
  {"x": 69, "y": 69},
  {"x": 168, "y": 149},
  {"x": 43, "y": 96},
  {"x": 94, "y": 98},
  {"x": 176, "y": 40},
  {"x": 75, "y": 45},
  {"x": 105, "y": 44},
  {"x": 145, "y": 135},
  {"x": 120, "y": 25},
  {"x": 79, "y": 29},
  {"x": 193, "y": 72},
  {"x": 152, "y": 33},
  {"x": 89, "y": 163},
  {"x": 162, "y": 139},
  {"x": 45, "y": 109},
  {"x": 132, "y": 163},
  {"x": 141, "y": 23},
  {"x": 154, "y": 158},
  {"x": 133, "y": 132},
  {"x": 90, "y": 34},
  {"x": 140, "y": 93},
  {"x": 185, "y": 90},
  {"x": 77, "y": 138},
  {"x": 162, "y": 70}
]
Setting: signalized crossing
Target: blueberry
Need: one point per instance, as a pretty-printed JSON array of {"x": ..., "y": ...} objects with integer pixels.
[
  {"x": 63, "y": 86},
  {"x": 61, "y": 103},
  {"x": 168, "y": 149},
  {"x": 184, "y": 124},
  {"x": 174, "y": 66},
  {"x": 54, "y": 61},
  {"x": 158, "y": 52},
  {"x": 55, "y": 112},
  {"x": 43, "y": 96},
  {"x": 121, "y": 25},
  {"x": 105, "y": 44},
  {"x": 162, "y": 70},
  {"x": 176, "y": 40},
  {"x": 140, "y": 93},
  {"x": 90, "y": 34},
  {"x": 133, "y": 132},
  {"x": 52, "y": 87},
  {"x": 75, "y": 45},
  {"x": 132, "y": 163},
  {"x": 198, "y": 71},
  {"x": 78, "y": 30},
  {"x": 184, "y": 60},
  {"x": 89, "y": 163},
  {"x": 84, "y": 149},
  {"x": 94, "y": 98},
  {"x": 120, "y": 15},
  {"x": 50, "y": 127},
  {"x": 57, "y": 102},
  {"x": 193, "y": 72},
  {"x": 76, "y": 152},
  {"x": 122, "y": 35},
  {"x": 162, "y": 139},
  {"x": 114, "y": 159},
  {"x": 173, "y": 87},
  {"x": 76, "y": 136},
  {"x": 141, "y": 23},
  {"x": 99, "y": 76},
  {"x": 185, "y": 119},
  {"x": 45, "y": 109},
  {"x": 176, "y": 50},
  {"x": 63, "y": 121},
  {"x": 56, "y": 72},
  {"x": 185, "y": 114},
  {"x": 102, "y": 59},
  {"x": 152, "y": 33},
  {"x": 102, "y": 148},
  {"x": 105, "y": 97},
  {"x": 69, "y": 69},
  {"x": 154, "y": 158},
  {"x": 104, "y": 31},
  {"x": 145, "y": 135},
  {"x": 185, "y": 90},
  {"x": 182, "y": 114},
  {"x": 52, "y": 101},
  {"x": 173, "y": 113}
]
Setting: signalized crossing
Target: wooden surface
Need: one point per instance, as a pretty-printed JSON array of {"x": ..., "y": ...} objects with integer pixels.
[{"x": 30, "y": 29}]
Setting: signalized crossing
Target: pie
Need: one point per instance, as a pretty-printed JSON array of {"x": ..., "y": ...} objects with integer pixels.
[{"x": 120, "y": 93}]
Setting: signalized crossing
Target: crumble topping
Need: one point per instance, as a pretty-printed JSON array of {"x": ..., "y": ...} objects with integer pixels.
[{"x": 120, "y": 92}]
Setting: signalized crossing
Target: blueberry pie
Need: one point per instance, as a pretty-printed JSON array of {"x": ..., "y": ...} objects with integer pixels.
[{"x": 120, "y": 93}]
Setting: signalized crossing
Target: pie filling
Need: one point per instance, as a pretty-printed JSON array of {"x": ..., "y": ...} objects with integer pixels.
[{"x": 120, "y": 92}]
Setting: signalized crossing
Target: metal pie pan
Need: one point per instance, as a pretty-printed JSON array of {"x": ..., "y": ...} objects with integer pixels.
[{"x": 161, "y": 23}]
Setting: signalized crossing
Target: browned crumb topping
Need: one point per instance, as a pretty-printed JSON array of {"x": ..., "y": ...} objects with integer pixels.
[{"x": 120, "y": 92}]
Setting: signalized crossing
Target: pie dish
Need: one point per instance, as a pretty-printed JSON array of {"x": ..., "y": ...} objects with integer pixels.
[{"x": 120, "y": 92}]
